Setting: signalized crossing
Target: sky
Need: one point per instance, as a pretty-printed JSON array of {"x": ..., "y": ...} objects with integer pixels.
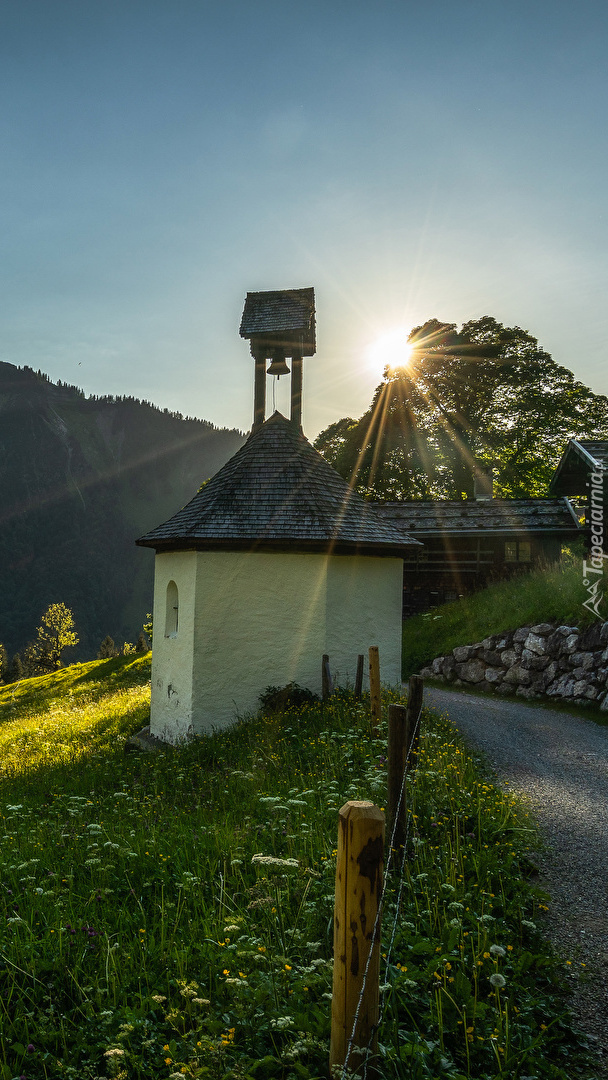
[{"x": 161, "y": 158}]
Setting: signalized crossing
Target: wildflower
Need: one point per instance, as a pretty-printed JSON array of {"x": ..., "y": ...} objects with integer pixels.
[
  {"x": 498, "y": 981},
  {"x": 270, "y": 860},
  {"x": 497, "y": 950},
  {"x": 282, "y": 1022},
  {"x": 115, "y": 1051}
]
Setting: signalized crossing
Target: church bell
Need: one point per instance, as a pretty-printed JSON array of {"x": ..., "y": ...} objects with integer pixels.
[{"x": 278, "y": 365}]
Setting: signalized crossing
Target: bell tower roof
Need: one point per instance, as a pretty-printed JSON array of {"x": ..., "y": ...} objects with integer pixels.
[
  {"x": 278, "y": 493},
  {"x": 281, "y": 317}
]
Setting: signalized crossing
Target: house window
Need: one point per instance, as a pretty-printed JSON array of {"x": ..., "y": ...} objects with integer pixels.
[
  {"x": 171, "y": 617},
  {"x": 518, "y": 551}
]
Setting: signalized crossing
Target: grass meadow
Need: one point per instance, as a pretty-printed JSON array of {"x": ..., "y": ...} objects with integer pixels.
[{"x": 170, "y": 915}]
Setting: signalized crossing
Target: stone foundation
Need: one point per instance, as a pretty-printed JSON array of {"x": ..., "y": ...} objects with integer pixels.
[{"x": 543, "y": 661}]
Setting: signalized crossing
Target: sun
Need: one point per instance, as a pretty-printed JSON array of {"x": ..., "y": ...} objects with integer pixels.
[{"x": 391, "y": 348}]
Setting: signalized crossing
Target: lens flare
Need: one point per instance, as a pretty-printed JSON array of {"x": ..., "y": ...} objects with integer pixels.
[{"x": 391, "y": 348}]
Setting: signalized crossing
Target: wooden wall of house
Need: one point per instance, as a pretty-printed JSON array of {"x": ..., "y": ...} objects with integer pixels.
[{"x": 450, "y": 567}]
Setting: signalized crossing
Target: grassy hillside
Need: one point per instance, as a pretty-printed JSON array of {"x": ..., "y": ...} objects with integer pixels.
[
  {"x": 170, "y": 915},
  {"x": 552, "y": 594}
]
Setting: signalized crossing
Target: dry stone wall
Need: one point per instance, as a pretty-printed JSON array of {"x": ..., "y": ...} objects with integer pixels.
[{"x": 543, "y": 661}]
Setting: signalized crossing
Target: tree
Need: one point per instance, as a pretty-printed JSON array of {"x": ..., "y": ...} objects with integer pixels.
[
  {"x": 55, "y": 633},
  {"x": 16, "y": 671},
  {"x": 484, "y": 395},
  {"x": 4, "y": 665},
  {"x": 107, "y": 649}
]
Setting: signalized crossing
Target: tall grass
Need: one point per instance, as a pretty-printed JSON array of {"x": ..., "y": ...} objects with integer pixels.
[
  {"x": 551, "y": 593},
  {"x": 170, "y": 915}
]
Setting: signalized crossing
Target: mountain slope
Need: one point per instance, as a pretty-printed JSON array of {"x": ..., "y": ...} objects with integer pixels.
[{"x": 80, "y": 479}]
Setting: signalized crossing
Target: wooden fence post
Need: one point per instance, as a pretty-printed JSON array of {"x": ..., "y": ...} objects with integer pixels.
[
  {"x": 374, "y": 687},
  {"x": 397, "y": 751},
  {"x": 327, "y": 686},
  {"x": 359, "y": 677},
  {"x": 358, "y": 890},
  {"x": 415, "y": 692}
]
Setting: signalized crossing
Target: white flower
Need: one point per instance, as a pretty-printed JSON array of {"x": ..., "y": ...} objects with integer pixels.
[
  {"x": 270, "y": 860},
  {"x": 114, "y": 1052},
  {"x": 497, "y": 950},
  {"x": 498, "y": 981},
  {"x": 282, "y": 1022}
]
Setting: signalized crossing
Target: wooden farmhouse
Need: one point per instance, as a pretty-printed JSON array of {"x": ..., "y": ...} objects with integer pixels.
[
  {"x": 467, "y": 544},
  {"x": 581, "y": 459},
  {"x": 274, "y": 563}
]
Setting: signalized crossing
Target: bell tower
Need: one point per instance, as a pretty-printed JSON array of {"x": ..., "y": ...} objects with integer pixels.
[{"x": 279, "y": 324}]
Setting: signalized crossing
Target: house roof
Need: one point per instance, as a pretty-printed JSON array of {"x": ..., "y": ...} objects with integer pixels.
[
  {"x": 497, "y": 516},
  {"x": 282, "y": 315},
  {"x": 278, "y": 493},
  {"x": 580, "y": 458}
]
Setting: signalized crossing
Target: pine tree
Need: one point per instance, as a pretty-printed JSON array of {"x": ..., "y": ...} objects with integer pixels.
[
  {"x": 107, "y": 649},
  {"x": 16, "y": 671}
]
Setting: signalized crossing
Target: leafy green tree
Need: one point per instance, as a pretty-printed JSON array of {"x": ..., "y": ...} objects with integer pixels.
[
  {"x": 484, "y": 395},
  {"x": 55, "y": 634}
]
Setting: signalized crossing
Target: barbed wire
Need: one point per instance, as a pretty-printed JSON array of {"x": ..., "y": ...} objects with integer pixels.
[{"x": 411, "y": 750}]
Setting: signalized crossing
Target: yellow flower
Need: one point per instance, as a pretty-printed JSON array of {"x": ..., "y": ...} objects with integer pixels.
[
  {"x": 287, "y": 967},
  {"x": 167, "y": 1061}
]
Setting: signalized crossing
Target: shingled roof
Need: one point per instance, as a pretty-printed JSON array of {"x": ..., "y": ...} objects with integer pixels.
[
  {"x": 278, "y": 493},
  {"x": 580, "y": 458},
  {"x": 281, "y": 314},
  {"x": 498, "y": 516}
]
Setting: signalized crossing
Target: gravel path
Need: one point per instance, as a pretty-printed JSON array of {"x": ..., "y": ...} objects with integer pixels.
[{"x": 559, "y": 763}]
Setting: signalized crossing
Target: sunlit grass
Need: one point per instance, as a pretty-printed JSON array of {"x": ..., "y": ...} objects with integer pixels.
[{"x": 142, "y": 938}]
